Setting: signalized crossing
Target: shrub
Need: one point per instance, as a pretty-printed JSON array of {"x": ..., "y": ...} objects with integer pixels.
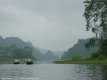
[{"x": 98, "y": 56}]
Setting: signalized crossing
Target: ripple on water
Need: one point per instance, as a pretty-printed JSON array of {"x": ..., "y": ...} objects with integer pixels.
[{"x": 53, "y": 72}]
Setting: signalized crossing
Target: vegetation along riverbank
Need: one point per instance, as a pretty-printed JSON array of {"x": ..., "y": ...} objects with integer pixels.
[
  {"x": 94, "y": 59},
  {"x": 81, "y": 62}
]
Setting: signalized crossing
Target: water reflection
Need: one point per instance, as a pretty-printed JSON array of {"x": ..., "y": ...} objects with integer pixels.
[
  {"x": 104, "y": 72},
  {"x": 89, "y": 72},
  {"x": 53, "y": 72}
]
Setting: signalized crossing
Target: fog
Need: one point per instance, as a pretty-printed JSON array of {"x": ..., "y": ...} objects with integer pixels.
[{"x": 49, "y": 24}]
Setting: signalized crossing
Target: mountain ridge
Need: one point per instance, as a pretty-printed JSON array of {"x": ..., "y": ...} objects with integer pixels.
[
  {"x": 9, "y": 41},
  {"x": 79, "y": 49}
]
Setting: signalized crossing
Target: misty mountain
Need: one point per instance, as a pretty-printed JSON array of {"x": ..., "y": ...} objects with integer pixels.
[
  {"x": 8, "y": 41},
  {"x": 79, "y": 49},
  {"x": 37, "y": 53},
  {"x": 43, "y": 51},
  {"x": 43, "y": 54},
  {"x": 49, "y": 55},
  {"x": 56, "y": 53}
]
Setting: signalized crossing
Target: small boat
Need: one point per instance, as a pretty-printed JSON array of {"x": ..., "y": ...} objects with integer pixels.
[
  {"x": 16, "y": 61},
  {"x": 29, "y": 61}
]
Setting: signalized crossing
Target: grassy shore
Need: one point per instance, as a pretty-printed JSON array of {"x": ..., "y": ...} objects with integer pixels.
[{"x": 81, "y": 62}]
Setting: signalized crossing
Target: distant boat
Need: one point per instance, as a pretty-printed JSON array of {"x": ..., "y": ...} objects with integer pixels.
[
  {"x": 29, "y": 61},
  {"x": 16, "y": 61}
]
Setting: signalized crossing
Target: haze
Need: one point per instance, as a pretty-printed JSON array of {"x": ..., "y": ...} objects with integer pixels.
[{"x": 49, "y": 24}]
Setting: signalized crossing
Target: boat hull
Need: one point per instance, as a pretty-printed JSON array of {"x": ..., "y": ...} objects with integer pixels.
[
  {"x": 16, "y": 62},
  {"x": 29, "y": 63}
]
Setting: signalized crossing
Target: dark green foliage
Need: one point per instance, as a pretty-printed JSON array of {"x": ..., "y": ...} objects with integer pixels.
[
  {"x": 95, "y": 15},
  {"x": 90, "y": 43},
  {"x": 103, "y": 47},
  {"x": 95, "y": 55},
  {"x": 98, "y": 56},
  {"x": 96, "y": 18}
]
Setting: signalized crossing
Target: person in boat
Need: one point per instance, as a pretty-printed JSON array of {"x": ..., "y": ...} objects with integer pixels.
[
  {"x": 16, "y": 61},
  {"x": 29, "y": 61}
]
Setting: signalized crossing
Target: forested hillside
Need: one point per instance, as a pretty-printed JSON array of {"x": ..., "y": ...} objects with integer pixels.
[{"x": 79, "y": 49}]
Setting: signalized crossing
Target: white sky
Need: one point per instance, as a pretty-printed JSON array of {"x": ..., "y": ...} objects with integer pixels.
[{"x": 50, "y": 24}]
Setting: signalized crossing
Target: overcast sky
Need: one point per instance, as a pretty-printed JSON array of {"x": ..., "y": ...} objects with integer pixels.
[{"x": 48, "y": 24}]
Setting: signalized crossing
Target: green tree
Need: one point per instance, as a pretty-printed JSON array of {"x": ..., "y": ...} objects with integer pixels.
[
  {"x": 96, "y": 17},
  {"x": 96, "y": 21}
]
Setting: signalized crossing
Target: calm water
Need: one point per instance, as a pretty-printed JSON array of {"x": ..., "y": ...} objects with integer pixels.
[{"x": 52, "y": 72}]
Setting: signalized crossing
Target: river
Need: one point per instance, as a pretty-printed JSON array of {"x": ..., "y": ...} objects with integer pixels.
[{"x": 52, "y": 72}]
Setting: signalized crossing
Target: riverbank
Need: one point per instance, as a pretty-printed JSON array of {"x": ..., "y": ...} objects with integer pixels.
[{"x": 81, "y": 62}]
